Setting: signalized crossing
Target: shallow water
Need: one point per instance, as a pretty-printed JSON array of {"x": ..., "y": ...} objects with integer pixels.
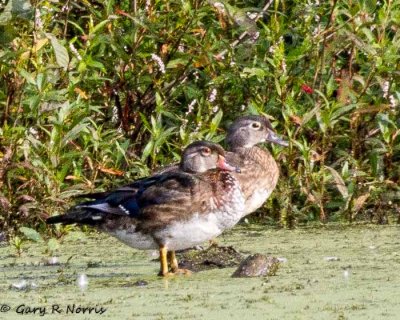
[{"x": 332, "y": 272}]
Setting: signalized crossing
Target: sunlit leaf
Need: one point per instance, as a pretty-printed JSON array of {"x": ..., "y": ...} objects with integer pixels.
[
  {"x": 31, "y": 234},
  {"x": 114, "y": 172},
  {"x": 339, "y": 183},
  {"x": 19, "y": 8},
  {"x": 61, "y": 53},
  {"x": 359, "y": 202}
]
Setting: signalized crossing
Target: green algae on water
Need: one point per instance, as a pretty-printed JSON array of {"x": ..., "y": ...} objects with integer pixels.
[{"x": 363, "y": 283}]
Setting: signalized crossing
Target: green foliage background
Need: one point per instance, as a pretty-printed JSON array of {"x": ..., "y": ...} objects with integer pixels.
[{"x": 95, "y": 93}]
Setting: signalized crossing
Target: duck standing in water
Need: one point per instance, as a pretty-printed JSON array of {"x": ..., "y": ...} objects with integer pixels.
[{"x": 169, "y": 211}]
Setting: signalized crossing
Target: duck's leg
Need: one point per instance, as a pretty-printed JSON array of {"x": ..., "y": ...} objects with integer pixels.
[
  {"x": 174, "y": 264},
  {"x": 163, "y": 261}
]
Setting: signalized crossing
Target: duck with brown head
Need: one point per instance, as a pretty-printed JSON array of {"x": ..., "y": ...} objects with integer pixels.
[{"x": 169, "y": 211}]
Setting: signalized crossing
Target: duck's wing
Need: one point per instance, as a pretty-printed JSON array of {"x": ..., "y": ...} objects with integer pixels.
[
  {"x": 133, "y": 187},
  {"x": 130, "y": 188},
  {"x": 174, "y": 202},
  {"x": 167, "y": 169},
  {"x": 128, "y": 200}
]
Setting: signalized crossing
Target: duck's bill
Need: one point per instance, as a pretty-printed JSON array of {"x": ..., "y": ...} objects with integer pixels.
[
  {"x": 274, "y": 138},
  {"x": 223, "y": 165}
]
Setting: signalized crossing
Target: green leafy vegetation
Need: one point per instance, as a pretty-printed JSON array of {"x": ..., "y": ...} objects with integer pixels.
[{"x": 94, "y": 94}]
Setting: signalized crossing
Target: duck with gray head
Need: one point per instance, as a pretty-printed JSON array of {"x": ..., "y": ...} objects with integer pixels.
[
  {"x": 259, "y": 170},
  {"x": 169, "y": 211}
]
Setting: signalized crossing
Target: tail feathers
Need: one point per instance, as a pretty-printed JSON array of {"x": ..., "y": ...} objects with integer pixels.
[
  {"x": 118, "y": 203},
  {"x": 79, "y": 215}
]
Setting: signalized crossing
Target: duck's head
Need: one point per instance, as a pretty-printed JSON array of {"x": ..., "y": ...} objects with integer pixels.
[
  {"x": 201, "y": 156},
  {"x": 247, "y": 131}
]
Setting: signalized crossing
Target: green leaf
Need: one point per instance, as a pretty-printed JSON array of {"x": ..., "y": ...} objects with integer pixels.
[
  {"x": 147, "y": 150},
  {"x": 278, "y": 87},
  {"x": 61, "y": 53},
  {"x": 368, "y": 33},
  {"x": 74, "y": 132},
  {"x": 216, "y": 121},
  {"x": 19, "y": 8},
  {"x": 145, "y": 122},
  {"x": 76, "y": 26},
  {"x": 99, "y": 26},
  {"x": 177, "y": 63},
  {"x": 6, "y": 15},
  {"x": 341, "y": 111},
  {"x": 258, "y": 72},
  {"x": 309, "y": 115},
  {"x": 27, "y": 76},
  {"x": 31, "y": 234},
  {"x": 95, "y": 64},
  {"x": 330, "y": 86},
  {"x": 163, "y": 135}
]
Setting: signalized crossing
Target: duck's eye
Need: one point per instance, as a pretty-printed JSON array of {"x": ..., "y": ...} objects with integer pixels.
[
  {"x": 206, "y": 151},
  {"x": 256, "y": 125}
]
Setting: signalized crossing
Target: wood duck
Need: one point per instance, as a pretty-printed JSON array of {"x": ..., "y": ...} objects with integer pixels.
[
  {"x": 259, "y": 170},
  {"x": 168, "y": 211}
]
